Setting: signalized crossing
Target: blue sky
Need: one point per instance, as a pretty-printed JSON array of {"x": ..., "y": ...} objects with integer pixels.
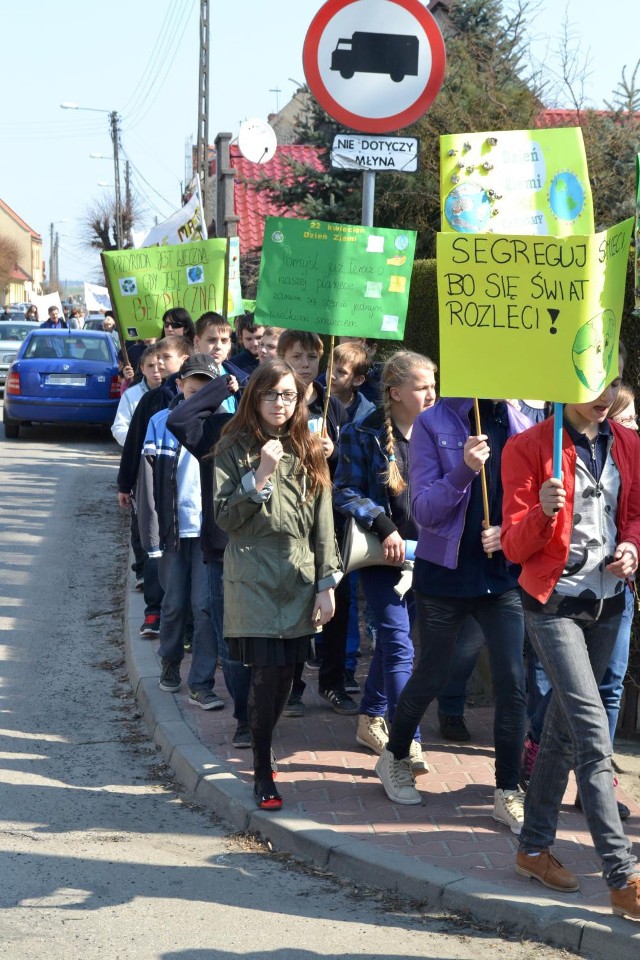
[{"x": 140, "y": 57}]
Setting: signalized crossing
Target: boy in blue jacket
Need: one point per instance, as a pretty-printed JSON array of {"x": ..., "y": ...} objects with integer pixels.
[{"x": 170, "y": 518}]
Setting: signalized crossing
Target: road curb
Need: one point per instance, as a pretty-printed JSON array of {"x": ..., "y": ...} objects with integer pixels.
[{"x": 211, "y": 783}]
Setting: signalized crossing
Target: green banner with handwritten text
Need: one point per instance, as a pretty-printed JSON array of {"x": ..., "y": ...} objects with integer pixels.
[{"x": 335, "y": 278}]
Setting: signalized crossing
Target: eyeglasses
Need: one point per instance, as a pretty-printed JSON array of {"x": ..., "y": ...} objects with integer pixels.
[
  {"x": 174, "y": 324},
  {"x": 288, "y": 396}
]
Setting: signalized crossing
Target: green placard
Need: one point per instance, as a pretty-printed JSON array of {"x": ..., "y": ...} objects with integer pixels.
[
  {"x": 145, "y": 283},
  {"x": 335, "y": 278}
]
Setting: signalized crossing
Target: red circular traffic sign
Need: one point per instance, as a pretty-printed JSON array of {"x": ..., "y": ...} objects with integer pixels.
[{"x": 374, "y": 65}]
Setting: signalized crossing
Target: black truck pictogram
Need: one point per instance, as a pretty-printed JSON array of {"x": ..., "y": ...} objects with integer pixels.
[{"x": 392, "y": 53}]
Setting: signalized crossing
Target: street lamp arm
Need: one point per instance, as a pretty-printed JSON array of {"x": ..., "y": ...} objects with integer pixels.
[{"x": 74, "y": 106}]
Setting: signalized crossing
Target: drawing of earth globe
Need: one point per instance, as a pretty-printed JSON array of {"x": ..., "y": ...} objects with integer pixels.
[
  {"x": 592, "y": 350},
  {"x": 468, "y": 208},
  {"x": 566, "y": 196}
]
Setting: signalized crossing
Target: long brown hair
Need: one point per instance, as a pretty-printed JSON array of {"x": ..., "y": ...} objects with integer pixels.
[
  {"x": 246, "y": 426},
  {"x": 395, "y": 372}
]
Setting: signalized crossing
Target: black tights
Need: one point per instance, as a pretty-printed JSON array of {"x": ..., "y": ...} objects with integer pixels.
[{"x": 268, "y": 694}]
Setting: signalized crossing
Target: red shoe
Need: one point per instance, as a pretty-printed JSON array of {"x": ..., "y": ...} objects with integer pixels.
[
  {"x": 150, "y": 628},
  {"x": 267, "y": 797}
]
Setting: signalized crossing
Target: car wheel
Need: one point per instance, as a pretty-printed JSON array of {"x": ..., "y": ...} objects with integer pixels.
[{"x": 11, "y": 427}]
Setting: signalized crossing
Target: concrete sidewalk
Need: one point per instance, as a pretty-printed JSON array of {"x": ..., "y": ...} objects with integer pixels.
[{"x": 448, "y": 853}]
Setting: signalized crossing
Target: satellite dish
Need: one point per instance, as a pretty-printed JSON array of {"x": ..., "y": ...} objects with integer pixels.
[{"x": 257, "y": 141}]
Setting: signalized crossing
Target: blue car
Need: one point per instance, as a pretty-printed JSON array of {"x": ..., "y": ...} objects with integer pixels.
[{"x": 62, "y": 376}]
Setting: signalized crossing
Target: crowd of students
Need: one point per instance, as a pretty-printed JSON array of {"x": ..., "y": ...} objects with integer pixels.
[{"x": 240, "y": 474}]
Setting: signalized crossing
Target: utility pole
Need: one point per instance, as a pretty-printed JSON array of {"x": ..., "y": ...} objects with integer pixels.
[
  {"x": 52, "y": 280},
  {"x": 128, "y": 201},
  {"x": 202, "y": 147},
  {"x": 114, "y": 123},
  {"x": 55, "y": 259}
]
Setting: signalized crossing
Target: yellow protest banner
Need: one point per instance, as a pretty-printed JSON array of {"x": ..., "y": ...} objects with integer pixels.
[
  {"x": 516, "y": 181},
  {"x": 524, "y": 316},
  {"x": 144, "y": 283}
]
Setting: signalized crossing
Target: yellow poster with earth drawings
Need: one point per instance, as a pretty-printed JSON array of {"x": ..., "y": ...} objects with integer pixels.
[
  {"x": 535, "y": 317},
  {"x": 516, "y": 181}
]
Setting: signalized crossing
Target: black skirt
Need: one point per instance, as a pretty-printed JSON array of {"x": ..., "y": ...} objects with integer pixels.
[{"x": 270, "y": 651}]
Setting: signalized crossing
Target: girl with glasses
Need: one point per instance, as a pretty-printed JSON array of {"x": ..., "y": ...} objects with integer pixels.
[{"x": 272, "y": 495}]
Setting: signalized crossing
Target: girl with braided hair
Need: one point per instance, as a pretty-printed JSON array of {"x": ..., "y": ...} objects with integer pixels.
[{"x": 371, "y": 485}]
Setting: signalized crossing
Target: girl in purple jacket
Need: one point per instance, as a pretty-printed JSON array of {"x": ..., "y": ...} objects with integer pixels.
[{"x": 460, "y": 571}]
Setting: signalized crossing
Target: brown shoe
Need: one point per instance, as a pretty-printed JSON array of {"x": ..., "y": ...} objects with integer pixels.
[
  {"x": 626, "y": 902},
  {"x": 547, "y": 870}
]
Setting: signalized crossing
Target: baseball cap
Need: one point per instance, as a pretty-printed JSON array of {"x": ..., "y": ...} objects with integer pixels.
[{"x": 200, "y": 365}]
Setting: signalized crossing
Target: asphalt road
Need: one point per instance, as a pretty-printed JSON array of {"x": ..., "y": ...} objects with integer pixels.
[{"x": 100, "y": 857}]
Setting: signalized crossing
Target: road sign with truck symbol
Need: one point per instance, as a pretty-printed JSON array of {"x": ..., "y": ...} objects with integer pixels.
[
  {"x": 395, "y": 54},
  {"x": 374, "y": 65}
]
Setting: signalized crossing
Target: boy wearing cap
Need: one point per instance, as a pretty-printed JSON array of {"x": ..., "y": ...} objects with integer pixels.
[{"x": 170, "y": 518}]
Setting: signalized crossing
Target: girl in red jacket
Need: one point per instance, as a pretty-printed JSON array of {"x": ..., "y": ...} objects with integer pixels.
[{"x": 577, "y": 540}]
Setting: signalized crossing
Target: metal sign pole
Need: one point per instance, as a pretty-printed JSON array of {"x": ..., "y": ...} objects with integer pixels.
[{"x": 368, "y": 197}]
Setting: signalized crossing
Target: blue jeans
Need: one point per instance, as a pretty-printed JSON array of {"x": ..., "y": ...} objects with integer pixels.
[
  {"x": 575, "y": 655},
  {"x": 236, "y": 676},
  {"x": 183, "y": 575},
  {"x": 353, "y": 629},
  {"x": 470, "y": 642},
  {"x": 392, "y": 661},
  {"x": 612, "y": 682},
  {"x": 439, "y": 622}
]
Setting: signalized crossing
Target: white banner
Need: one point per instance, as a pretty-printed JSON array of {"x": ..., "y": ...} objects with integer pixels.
[
  {"x": 96, "y": 298},
  {"x": 185, "y": 225},
  {"x": 44, "y": 302}
]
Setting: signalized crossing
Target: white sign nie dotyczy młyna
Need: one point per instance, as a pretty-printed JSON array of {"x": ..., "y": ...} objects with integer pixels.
[{"x": 396, "y": 154}]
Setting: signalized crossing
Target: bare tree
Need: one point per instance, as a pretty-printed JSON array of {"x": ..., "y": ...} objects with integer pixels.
[
  {"x": 9, "y": 254},
  {"x": 99, "y": 226}
]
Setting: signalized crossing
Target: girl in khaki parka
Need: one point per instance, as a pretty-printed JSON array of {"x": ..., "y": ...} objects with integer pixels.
[{"x": 272, "y": 495}]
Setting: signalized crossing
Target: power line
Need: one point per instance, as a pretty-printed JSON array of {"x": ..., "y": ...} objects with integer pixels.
[
  {"x": 156, "y": 52},
  {"x": 137, "y": 177},
  {"x": 142, "y": 145},
  {"x": 164, "y": 60},
  {"x": 136, "y": 117}
]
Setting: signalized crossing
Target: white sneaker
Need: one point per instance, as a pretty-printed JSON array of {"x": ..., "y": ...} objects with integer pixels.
[
  {"x": 419, "y": 765},
  {"x": 372, "y": 732},
  {"x": 508, "y": 808},
  {"x": 397, "y": 779}
]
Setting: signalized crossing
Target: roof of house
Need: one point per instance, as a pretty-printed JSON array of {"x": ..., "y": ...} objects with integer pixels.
[
  {"x": 21, "y": 223},
  {"x": 253, "y": 206},
  {"x": 19, "y": 274}
]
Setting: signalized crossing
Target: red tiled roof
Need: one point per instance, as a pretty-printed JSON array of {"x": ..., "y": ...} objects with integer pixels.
[
  {"x": 570, "y": 118},
  {"x": 19, "y": 274},
  {"x": 254, "y": 206},
  {"x": 21, "y": 223}
]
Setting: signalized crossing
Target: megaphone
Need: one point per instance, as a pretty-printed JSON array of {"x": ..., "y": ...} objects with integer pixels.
[{"x": 361, "y": 548}]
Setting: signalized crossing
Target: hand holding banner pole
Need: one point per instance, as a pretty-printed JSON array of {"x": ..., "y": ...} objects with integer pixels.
[{"x": 483, "y": 475}]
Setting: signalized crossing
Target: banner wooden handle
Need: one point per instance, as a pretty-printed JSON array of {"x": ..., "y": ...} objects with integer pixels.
[
  {"x": 327, "y": 393},
  {"x": 483, "y": 475}
]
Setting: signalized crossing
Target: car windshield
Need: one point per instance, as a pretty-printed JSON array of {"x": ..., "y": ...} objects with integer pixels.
[
  {"x": 10, "y": 331},
  {"x": 68, "y": 348}
]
